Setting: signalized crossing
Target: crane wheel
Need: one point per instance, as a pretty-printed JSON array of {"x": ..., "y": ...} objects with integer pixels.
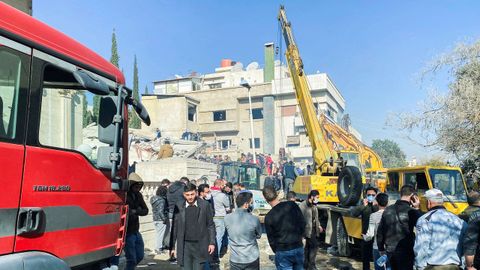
[
  {"x": 349, "y": 186},
  {"x": 343, "y": 246}
]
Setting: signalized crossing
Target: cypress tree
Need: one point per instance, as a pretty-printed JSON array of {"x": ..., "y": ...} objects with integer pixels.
[{"x": 134, "y": 121}]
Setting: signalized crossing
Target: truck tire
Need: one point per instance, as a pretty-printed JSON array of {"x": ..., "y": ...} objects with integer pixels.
[
  {"x": 349, "y": 186},
  {"x": 342, "y": 239}
]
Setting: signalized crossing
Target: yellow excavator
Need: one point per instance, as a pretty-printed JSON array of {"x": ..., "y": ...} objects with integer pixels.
[
  {"x": 342, "y": 161},
  {"x": 371, "y": 164}
]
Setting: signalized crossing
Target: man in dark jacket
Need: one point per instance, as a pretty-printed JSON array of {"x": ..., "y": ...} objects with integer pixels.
[
  {"x": 160, "y": 217},
  {"x": 471, "y": 242},
  {"x": 313, "y": 229},
  {"x": 289, "y": 173},
  {"x": 285, "y": 227},
  {"x": 364, "y": 211},
  {"x": 174, "y": 196},
  {"x": 134, "y": 247},
  {"x": 473, "y": 205},
  {"x": 395, "y": 232},
  {"x": 193, "y": 232}
]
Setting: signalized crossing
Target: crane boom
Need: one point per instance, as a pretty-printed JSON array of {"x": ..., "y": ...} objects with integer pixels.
[{"x": 322, "y": 153}]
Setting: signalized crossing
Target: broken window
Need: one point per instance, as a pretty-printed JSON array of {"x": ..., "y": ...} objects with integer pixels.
[
  {"x": 192, "y": 112},
  {"x": 219, "y": 115}
]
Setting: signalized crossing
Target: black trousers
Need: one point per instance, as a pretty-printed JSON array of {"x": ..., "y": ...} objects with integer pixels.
[
  {"x": 255, "y": 265},
  {"x": 367, "y": 254},
  {"x": 310, "y": 250},
  {"x": 401, "y": 260},
  {"x": 191, "y": 259}
]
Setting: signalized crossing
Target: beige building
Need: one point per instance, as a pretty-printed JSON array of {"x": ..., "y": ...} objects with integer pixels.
[{"x": 217, "y": 107}]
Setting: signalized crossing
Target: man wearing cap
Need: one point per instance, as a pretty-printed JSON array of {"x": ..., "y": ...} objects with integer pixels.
[
  {"x": 439, "y": 236},
  {"x": 134, "y": 247}
]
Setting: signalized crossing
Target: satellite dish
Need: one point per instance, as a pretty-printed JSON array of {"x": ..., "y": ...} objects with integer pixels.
[
  {"x": 178, "y": 76},
  {"x": 237, "y": 67},
  {"x": 253, "y": 66}
]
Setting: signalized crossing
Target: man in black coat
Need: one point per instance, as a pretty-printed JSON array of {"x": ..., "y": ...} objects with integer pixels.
[{"x": 193, "y": 232}]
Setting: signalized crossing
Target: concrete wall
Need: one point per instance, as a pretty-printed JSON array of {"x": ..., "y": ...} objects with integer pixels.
[
  {"x": 167, "y": 114},
  {"x": 174, "y": 168}
]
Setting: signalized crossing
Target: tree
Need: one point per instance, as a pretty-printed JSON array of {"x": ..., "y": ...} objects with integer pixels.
[
  {"x": 146, "y": 90},
  {"x": 391, "y": 154},
  {"x": 87, "y": 115},
  {"x": 114, "y": 59},
  {"x": 434, "y": 161},
  {"x": 133, "y": 120},
  {"x": 449, "y": 121}
]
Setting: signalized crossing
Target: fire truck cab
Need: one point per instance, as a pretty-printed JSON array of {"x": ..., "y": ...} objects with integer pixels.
[{"x": 63, "y": 149}]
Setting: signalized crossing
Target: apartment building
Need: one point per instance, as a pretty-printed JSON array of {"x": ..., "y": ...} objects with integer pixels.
[{"x": 217, "y": 107}]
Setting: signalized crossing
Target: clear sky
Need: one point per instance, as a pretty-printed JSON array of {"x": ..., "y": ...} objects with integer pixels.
[{"x": 373, "y": 50}]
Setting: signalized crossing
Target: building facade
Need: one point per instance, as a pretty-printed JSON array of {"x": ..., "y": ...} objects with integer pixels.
[{"x": 217, "y": 107}]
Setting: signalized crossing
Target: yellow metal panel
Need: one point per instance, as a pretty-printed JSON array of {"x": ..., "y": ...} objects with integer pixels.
[
  {"x": 353, "y": 226},
  {"x": 326, "y": 186}
]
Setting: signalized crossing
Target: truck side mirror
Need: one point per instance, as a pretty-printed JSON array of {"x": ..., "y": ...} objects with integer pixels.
[
  {"x": 106, "y": 133},
  {"x": 106, "y": 121},
  {"x": 104, "y": 157},
  {"x": 91, "y": 83}
]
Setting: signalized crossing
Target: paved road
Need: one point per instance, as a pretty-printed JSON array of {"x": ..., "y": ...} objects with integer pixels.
[{"x": 324, "y": 261}]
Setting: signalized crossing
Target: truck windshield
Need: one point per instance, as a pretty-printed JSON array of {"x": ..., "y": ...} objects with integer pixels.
[
  {"x": 450, "y": 182},
  {"x": 229, "y": 173}
]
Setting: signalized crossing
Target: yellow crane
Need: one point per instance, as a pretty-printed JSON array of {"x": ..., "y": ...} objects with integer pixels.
[
  {"x": 332, "y": 171},
  {"x": 333, "y": 146}
]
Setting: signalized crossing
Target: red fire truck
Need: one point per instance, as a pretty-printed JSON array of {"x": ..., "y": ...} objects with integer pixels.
[{"x": 63, "y": 149}]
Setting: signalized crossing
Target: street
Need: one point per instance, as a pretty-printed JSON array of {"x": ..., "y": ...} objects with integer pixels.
[{"x": 324, "y": 261}]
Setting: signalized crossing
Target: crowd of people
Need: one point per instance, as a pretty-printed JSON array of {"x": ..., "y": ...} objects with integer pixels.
[{"x": 195, "y": 224}]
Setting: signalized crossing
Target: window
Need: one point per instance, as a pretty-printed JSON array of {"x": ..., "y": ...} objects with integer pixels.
[
  {"x": 450, "y": 182},
  {"x": 257, "y": 143},
  {"x": 393, "y": 185},
  {"x": 215, "y": 86},
  {"x": 68, "y": 116},
  {"x": 224, "y": 144},
  {"x": 220, "y": 115},
  {"x": 192, "y": 112},
  {"x": 257, "y": 113},
  {"x": 12, "y": 71},
  {"x": 418, "y": 180}
]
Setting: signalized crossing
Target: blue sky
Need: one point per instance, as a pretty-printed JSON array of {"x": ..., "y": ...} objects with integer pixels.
[{"x": 373, "y": 50}]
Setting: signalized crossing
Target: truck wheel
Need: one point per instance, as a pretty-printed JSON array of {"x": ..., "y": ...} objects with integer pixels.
[
  {"x": 349, "y": 186},
  {"x": 342, "y": 239}
]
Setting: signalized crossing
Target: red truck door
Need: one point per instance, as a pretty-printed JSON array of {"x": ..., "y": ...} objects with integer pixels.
[
  {"x": 14, "y": 79},
  {"x": 67, "y": 207}
]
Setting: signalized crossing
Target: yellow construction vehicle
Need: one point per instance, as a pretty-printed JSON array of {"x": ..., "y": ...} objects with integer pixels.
[
  {"x": 339, "y": 184},
  {"x": 332, "y": 168}
]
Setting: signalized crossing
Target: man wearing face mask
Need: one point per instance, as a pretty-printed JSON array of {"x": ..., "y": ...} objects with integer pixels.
[
  {"x": 364, "y": 211},
  {"x": 243, "y": 230},
  {"x": 313, "y": 229}
]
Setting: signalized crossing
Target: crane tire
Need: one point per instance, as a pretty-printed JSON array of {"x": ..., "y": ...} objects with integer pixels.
[
  {"x": 349, "y": 186},
  {"x": 343, "y": 246}
]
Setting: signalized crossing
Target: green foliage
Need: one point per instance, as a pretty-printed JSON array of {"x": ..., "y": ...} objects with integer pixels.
[
  {"x": 391, "y": 154},
  {"x": 133, "y": 120},
  {"x": 146, "y": 90},
  {"x": 86, "y": 114},
  {"x": 114, "y": 58},
  {"x": 434, "y": 161},
  {"x": 96, "y": 108}
]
